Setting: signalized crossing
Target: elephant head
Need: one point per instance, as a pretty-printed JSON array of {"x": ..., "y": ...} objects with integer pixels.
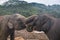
[
  {"x": 16, "y": 21},
  {"x": 39, "y": 22}
]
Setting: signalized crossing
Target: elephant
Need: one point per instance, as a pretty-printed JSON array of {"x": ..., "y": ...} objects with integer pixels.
[
  {"x": 46, "y": 23},
  {"x": 10, "y": 23}
]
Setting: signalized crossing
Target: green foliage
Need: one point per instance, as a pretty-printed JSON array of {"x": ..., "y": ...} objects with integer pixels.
[{"x": 28, "y": 9}]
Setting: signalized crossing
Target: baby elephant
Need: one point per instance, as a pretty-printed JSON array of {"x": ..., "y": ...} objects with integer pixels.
[
  {"x": 46, "y": 23},
  {"x": 10, "y": 23}
]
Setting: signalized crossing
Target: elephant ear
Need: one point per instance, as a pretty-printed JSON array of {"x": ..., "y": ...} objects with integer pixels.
[
  {"x": 43, "y": 19},
  {"x": 10, "y": 25}
]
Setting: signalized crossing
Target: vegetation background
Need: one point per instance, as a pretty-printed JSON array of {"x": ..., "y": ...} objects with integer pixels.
[{"x": 28, "y": 9}]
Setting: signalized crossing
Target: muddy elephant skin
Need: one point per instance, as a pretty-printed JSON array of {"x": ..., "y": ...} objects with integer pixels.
[
  {"x": 10, "y": 23},
  {"x": 46, "y": 23}
]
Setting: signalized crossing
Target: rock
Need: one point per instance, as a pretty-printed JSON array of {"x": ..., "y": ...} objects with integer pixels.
[
  {"x": 19, "y": 38},
  {"x": 31, "y": 35}
]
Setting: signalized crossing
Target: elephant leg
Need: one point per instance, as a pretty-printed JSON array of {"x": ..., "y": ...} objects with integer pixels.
[
  {"x": 3, "y": 37},
  {"x": 12, "y": 35},
  {"x": 53, "y": 35}
]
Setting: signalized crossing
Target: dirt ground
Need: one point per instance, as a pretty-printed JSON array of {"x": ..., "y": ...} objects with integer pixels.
[{"x": 24, "y": 35}]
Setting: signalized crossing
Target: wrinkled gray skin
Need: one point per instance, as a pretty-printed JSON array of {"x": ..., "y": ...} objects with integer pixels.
[
  {"x": 46, "y": 23},
  {"x": 10, "y": 23}
]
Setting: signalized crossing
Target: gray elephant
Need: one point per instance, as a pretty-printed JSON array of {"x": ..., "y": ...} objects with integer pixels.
[
  {"x": 46, "y": 23},
  {"x": 10, "y": 23}
]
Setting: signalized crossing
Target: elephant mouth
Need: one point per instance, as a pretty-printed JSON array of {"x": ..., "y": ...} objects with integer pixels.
[{"x": 29, "y": 29}]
